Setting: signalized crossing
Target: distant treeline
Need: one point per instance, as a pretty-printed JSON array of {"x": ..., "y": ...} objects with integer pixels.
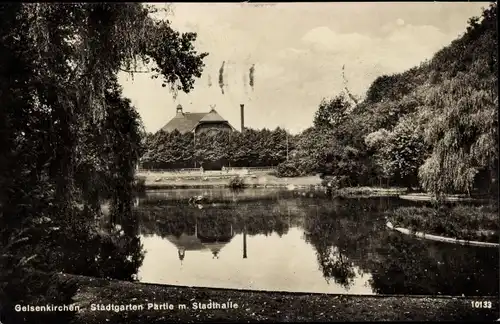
[{"x": 217, "y": 148}]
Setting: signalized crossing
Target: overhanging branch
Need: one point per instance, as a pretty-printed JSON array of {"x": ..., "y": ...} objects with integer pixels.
[{"x": 135, "y": 71}]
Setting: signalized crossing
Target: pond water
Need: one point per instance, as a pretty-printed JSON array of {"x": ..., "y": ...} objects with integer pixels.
[{"x": 297, "y": 241}]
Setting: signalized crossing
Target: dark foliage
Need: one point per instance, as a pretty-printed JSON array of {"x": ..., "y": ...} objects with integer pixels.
[
  {"x": 69, "y": 140},
  {"x": 217, "y": 148},
  {"x": 432, "y": 127}
]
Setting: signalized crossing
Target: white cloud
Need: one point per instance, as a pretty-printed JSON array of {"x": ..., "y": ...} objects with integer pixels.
[
  {"x": 405, "y": 46},
  {"x": 268, "y": 71},
  {"x": 299, "y": 50},
  {"x": 330, "y": 40},
  {"x": 418, "y": 35},
  {"x": 319, "y": 35}
]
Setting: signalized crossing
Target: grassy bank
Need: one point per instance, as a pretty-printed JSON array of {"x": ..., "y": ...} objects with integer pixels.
[
  {"x": 216, "y": 179},
  {"x": 369, "y": 191},
  {"x": 252, "y": 306},
  {"x": 475, "y": 223},
  {"x": 165, "y": 186}
]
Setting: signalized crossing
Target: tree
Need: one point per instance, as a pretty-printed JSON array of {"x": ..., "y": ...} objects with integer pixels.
[
  {"x": 85, "y": 46},
  {"x": 399, "y": 154},
  {"x": 462, "y": 126},
  {"x": 331, "y": 112},
  {"x": 439, "y": 118},
  {"x": 123, "y": 130},
  {"x": 67, "y": 131}
]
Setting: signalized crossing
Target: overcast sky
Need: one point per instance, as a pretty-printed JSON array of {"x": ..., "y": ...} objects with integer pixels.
[{"x": 298, "y": 50}]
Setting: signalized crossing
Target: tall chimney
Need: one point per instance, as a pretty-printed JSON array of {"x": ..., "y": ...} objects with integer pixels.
[
  {"x": 179, "y": 109},
  {"x": 242, "y": 113}
]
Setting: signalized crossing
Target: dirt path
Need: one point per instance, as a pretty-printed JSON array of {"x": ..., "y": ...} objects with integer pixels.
[
  {"x": 244, "y": 306},
  {"x": 263, "y": 306},
  {"x": 220, "y": 179}
]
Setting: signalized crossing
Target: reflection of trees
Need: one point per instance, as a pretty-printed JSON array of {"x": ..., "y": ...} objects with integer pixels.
[
  {"x": 341, "y": 231},
  {"x": 116, "y": 255},
  {"x": 263, "y": 222},
  {"x": 410, "y": 266},
  {"x": 336, "y": 265},
  {"x": 324, "y": 231},
  {"x": 215, "y": 196},
  {"x": 176, "y": 220},
  {"x": 214, "y": 230},
  {"x": 348, "y": 233}
]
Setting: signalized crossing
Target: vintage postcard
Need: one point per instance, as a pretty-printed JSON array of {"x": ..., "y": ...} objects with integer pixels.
[{"x": 239, "y": 161}]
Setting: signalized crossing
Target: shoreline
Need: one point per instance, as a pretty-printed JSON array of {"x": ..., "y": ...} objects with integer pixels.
[
  {"x": 252, "y": 305},
  {"x": 270, "y": 183},
  {"x": 439, "y": 238},
  {"x": 401, "y": 193},
  {"x": 166, "y": 181},
  {"x": 450, "y": 198},
  {"x": 164, "y": 186},
  {"x": 350, "y": 192}
]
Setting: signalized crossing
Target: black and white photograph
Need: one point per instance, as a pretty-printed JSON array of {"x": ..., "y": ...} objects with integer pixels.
[{"x": 248, "y": 162}]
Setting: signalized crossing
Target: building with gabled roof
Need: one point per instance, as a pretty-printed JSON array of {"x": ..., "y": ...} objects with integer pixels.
[{"x": 186, "y": 122}]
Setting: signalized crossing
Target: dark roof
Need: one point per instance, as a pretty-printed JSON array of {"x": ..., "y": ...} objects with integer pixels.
[
  {"x": 183, "y": 123},
  {"x": 212, "y": 116},
  {"x": 186, "y": 122}
]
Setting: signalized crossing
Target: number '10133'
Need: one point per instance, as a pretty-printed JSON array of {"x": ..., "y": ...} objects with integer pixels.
[{"x": 481, "y": 304}]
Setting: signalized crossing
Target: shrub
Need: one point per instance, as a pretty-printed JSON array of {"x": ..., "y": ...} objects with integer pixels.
[
  {"x": 236, "y": 182},
  {"x": 331, "y": 182},
  {"x": 462, "y": 222},
  {"x": 288, "y": 169},
  {"x": 139, "y": 185}
]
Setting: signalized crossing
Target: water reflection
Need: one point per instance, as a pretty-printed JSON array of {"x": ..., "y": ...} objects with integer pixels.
[
  {"x": 273, "y": 240},
  {"x": 203, "y": 238},
  {"x": 87, "y": 249},
  {"x": 109, "y": 253},
  {"x": 407, "y": 266},
  {"x": 332, "y": 260},
  {"x": 274, "y": 270}
]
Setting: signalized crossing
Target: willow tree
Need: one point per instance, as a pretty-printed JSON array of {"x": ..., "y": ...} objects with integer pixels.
[
  {"x": 65, "y": 126},
  {"x": 463, "y": 135},
  {"x": 460, "y": 117},
  {"x": 96, "y": 41}
]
